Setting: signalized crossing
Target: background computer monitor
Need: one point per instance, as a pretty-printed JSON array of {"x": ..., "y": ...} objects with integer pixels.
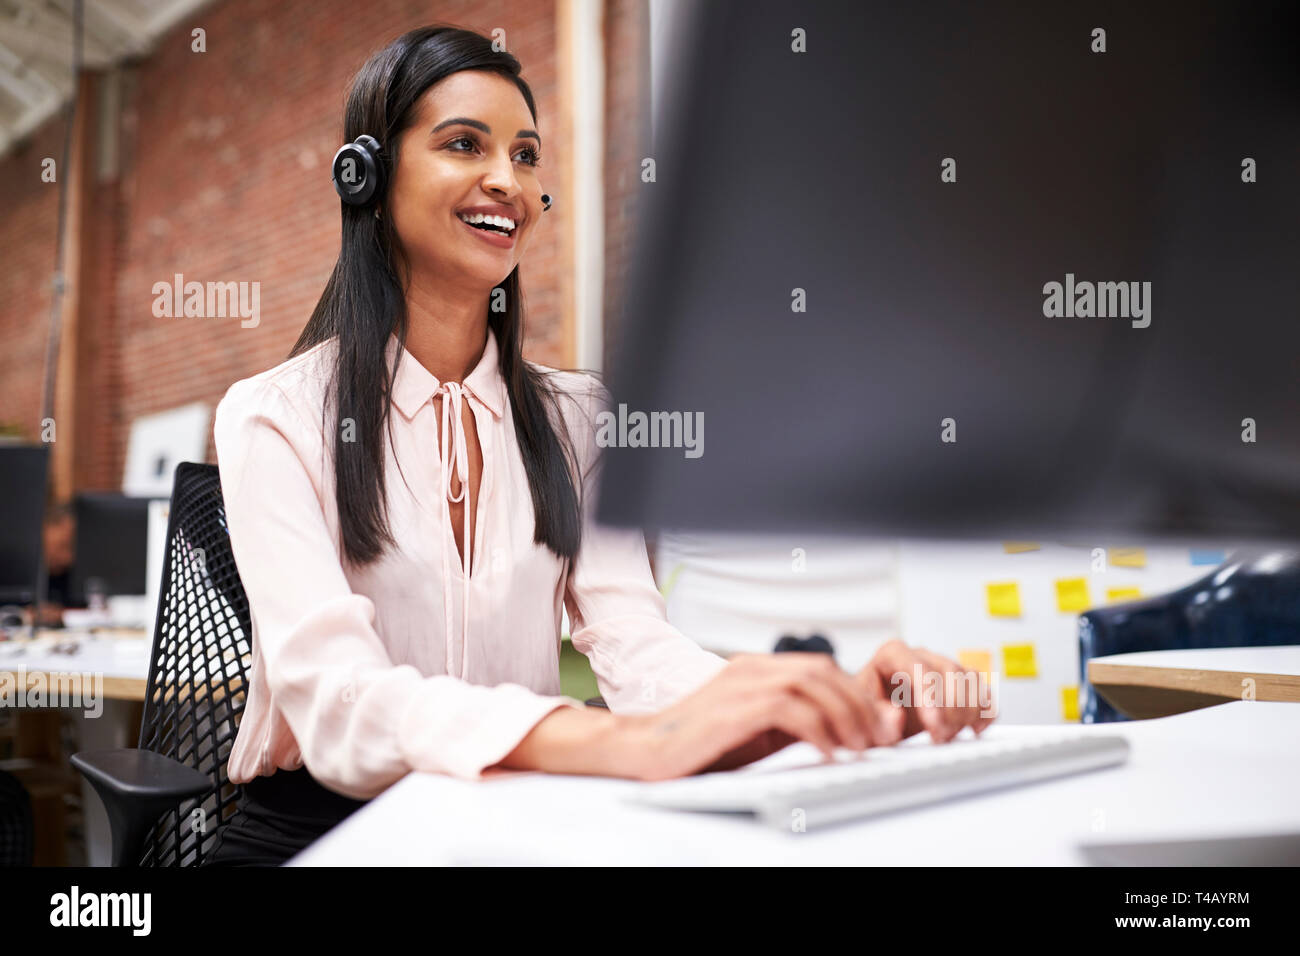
[
  {"x": 112, "y": 544},
  {"x": 23, "y": 470},
  {"x": 845, "y": 259}
]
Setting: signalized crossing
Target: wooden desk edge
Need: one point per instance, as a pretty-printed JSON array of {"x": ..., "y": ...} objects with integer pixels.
[
  {"x": 1226, "y": 684},
  {"x": 114, "y": 688}
]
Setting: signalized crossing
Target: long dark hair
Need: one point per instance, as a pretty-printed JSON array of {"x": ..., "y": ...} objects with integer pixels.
[{"x": 363, "y": 303}]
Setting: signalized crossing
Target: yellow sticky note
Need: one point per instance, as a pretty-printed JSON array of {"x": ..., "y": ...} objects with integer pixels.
[
  {"x": 1128, "y": 557},
  {"x": 1123, "y": 594},
  {"x": 1070, "y": 703},
  {"x": 1004, "y": 599},
  {"x": 1018, "y": 660},
  {"x": 1072, "y": 594},
  {"x": 979, "y": 661},
  {"x": 1020, "y": 547}
]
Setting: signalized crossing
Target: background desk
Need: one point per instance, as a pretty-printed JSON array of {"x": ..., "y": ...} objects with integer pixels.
[
  {"x": 1158, "y": 683},
  {"x": 118, "y": 658},
  {"x": 1225, "y": 771}
]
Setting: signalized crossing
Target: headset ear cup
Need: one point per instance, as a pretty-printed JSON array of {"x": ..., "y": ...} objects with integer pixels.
[
  {"x": 372, "y": 147},
  {"x": 358, "y": 171}
]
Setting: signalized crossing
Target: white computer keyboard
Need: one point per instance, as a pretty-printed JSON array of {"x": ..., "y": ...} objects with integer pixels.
[{"x": 886, "y": 778}]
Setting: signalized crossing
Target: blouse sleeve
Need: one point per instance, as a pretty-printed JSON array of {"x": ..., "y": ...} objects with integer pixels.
[
  {"x": 617, "y": 615},
  {"x": 360, "y": 721}
]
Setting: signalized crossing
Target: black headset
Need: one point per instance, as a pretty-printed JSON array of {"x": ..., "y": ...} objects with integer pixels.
[{"x": 358, "y": 172}]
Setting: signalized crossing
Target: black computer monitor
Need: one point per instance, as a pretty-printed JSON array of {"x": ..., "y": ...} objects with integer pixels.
[
  {"x": 23, "y": 471},
  {"x": 969, "y": 270},
  {"x": 112, "y": 544}
]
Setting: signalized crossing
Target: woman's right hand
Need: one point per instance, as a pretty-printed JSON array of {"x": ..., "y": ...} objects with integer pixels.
[{"x": 756, "y": 705}]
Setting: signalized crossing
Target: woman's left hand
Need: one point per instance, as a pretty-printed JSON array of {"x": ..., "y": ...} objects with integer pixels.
[{"x": 947, "y": 698}]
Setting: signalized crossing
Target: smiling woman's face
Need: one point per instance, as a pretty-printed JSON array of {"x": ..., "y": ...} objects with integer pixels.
[{"x": 473, "y": 144}]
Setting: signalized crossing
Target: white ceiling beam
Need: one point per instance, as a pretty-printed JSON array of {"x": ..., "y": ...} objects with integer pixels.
[
  {"x": 119, "y": 14},
  {"x": 38, "y": 94},
  {"x": 29, "y": 81},
  {"x": 36, "y": 39},
  {"x": 120, "y": 40},
  {"x": 171, "y": 12},
  {"x": 27, "y": 122},
  {"x": 50, "y": 33},
  {"x": 32, "y": 44}
]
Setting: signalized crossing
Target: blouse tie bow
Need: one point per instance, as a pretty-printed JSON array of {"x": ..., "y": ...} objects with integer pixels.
[{"x": 454, "y": 453}]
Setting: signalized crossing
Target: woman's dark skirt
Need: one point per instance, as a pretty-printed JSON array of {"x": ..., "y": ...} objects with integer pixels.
[{"x": 277, "y": 817}]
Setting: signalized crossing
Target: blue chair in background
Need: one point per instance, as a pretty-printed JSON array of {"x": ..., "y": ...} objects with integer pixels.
[{"x": 1250, "y": 601}]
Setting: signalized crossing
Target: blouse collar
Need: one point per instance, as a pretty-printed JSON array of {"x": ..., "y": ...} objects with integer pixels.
[{"x": 415, "y": 385}]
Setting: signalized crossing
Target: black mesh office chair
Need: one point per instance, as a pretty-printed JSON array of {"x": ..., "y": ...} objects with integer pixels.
[{"x": 168, "y": 799}]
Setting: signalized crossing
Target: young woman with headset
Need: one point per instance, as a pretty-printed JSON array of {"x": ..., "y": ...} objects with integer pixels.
[{"x": 409, "y": 505}]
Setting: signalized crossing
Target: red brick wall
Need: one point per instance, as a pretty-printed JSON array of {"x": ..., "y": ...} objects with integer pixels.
[
  {"x": 27, "y": 238},
  {"x": 101, "y": 425},
  {"x": 627, "y": 137},
  {"x": 28, "y": 235},
  {"x": 224, "y": 177}
]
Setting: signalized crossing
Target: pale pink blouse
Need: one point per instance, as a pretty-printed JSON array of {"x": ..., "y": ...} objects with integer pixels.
[{"x": 364, "y": 675}]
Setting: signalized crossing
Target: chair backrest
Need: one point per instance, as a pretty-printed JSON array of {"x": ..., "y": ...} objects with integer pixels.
[{"x": 198, "y": 671}]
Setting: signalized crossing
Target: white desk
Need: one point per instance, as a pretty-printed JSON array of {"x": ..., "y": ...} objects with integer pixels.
[
  {"x": 116, "y": 660},
  {"x": 1229, "y": 770},
  {"x": 104, "y": 679}
]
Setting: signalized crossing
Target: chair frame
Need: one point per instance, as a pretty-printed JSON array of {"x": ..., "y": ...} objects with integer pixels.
[{"x": 169, "y": 798}]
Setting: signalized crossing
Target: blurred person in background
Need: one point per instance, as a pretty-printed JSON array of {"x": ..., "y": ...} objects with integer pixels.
[{"x": 59, "y": 537}]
